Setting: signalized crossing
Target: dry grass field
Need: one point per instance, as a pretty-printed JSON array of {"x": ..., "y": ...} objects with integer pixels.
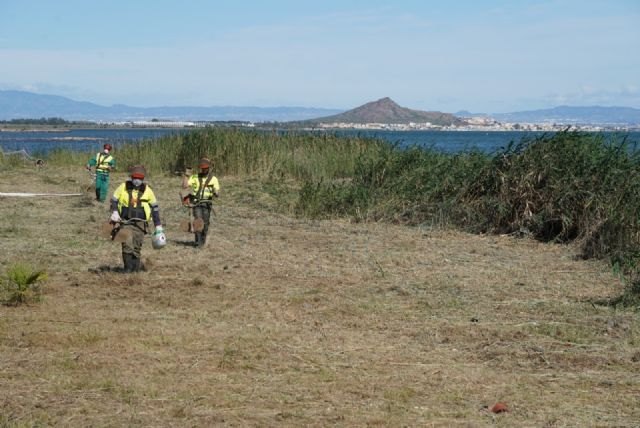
[{"x": 288, "y": 322}]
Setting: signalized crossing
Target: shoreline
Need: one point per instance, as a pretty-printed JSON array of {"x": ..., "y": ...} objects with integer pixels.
[{"x": 374, "y": 127}]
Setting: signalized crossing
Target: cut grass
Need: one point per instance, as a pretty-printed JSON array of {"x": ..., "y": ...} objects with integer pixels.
[{"x": 292, "y": 322}]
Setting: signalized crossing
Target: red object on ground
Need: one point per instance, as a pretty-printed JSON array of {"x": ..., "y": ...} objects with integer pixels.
[{"x": 499, "y": 408}]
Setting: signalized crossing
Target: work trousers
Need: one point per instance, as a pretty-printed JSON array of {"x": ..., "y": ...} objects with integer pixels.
[
  {"x": 102, "y": 186},
  {"x": 202, "y": 211},
  {"x": 132, "y": 248}
]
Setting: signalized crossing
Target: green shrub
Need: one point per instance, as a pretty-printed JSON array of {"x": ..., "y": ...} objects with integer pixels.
[{"x": 22, "y": 284}]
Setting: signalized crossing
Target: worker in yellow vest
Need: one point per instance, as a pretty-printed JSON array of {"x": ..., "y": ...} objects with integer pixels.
[
  {"x": 132, "y": 206},
  {"x": 104, "y": 164},
  {"x": 203, "y": 187}
]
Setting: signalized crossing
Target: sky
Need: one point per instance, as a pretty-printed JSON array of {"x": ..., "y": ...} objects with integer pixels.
[{"x": 484, "y": 56}]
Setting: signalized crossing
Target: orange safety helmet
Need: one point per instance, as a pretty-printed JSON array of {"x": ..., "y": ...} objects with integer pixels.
[
  {"x": 204, "y": 163},
  {"x": 138, "y": 171}
]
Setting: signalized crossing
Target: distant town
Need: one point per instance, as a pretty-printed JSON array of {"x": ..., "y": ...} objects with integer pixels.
[
  {"x": 472, "y": 124},
  {"x": 477, "y": 124}
]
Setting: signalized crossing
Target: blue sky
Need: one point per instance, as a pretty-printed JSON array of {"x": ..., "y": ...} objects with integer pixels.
[{"x": 483, "y": 56}]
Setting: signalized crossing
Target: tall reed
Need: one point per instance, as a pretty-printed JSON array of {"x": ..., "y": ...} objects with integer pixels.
[
  {"x": 262, "y": 154},
  {"x": 563, "y": 187}
]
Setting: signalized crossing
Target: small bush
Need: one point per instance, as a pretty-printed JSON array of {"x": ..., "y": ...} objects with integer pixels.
[{"x": 21, "y": 284}]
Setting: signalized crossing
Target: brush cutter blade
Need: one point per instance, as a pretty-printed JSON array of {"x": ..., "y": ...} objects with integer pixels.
[
  {"x": 110, "y": 231},
  {"x": 185, "y": 226},
  {"x": 106, "y": 229},
  {"x": 198, "y": 225},
  {"x": 122, "y": 235}
]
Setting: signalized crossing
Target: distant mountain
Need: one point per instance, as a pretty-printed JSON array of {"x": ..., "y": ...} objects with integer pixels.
[
  {"x": 385, "y": 110},
  {"x": 467, "y": 113},
  {"x": 595, "y": 115},
  {"x": 27, "y": 105}
]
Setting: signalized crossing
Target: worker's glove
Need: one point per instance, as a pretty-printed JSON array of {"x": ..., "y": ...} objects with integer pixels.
[
  {"x": 159, "y": 229},
  {"x": 115, "y": 217}
]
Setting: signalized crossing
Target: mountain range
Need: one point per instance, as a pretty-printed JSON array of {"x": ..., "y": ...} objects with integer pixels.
[
  {"x": 27, "y": 105},
  {"x": 575, "y": 115}
]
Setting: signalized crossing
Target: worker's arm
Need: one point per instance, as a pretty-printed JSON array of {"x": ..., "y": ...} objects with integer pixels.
[{"x": 185, "y": 178}]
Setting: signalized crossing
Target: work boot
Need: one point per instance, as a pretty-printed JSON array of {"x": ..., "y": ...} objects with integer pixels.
[
  {"x": 136, "y": 263},
  {"x": 129, "y": 263}
]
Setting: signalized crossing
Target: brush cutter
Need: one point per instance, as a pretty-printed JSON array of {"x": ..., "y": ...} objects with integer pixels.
[
  {"x": 192, "y": 225},
  {"x": 185, "y": 196},
  {"x": 113, "y": 230},
  {"x": 91, "y": 186}
]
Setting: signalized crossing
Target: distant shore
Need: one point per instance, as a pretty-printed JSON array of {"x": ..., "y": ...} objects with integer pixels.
[{"x": 396, "y": 127}]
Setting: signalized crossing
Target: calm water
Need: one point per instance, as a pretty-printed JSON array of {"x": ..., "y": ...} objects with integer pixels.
[
  {"x": 88, "y": 140},
  {"x": 449, "y": 141},
  {"x": 461, "y": 141},
  {"x": 76, "y": 139}
]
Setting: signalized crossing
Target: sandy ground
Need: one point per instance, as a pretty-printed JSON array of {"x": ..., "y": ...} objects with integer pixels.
[{"x": 281, "y": 321}]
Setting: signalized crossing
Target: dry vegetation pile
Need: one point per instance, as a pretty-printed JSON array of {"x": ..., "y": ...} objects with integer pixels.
[{"x": 288, "y": 322}]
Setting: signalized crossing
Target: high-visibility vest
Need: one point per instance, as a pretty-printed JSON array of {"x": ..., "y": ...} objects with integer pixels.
[
  {"x": 103, "y": 162},
  {"x": 135, "y": 203},
  {"x": 196, "y": 182}
]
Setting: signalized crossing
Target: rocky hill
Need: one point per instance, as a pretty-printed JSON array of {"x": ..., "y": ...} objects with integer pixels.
[{"x": 385, "y": 110}]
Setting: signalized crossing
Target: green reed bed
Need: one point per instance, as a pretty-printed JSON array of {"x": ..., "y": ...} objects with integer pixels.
[
  {"x": 412, "y": 186},
  {"x": 66, "y": 157},
  {"x": 559, "y": 187},
  {"x": 262, "y": 154},
  {"x": 563, "y": 187}
]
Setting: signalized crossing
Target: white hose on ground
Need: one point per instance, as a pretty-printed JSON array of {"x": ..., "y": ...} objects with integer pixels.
[{"x": 29, "y": 195}]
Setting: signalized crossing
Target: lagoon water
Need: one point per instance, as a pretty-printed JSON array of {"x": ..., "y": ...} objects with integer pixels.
[
  {"x": 83, "y": 140},
  {"x": 89, "y": 140},
  {"x": 449, "y": 141}
]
